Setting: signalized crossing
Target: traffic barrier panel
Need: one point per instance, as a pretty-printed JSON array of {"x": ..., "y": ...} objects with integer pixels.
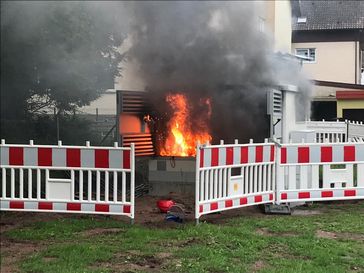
[
  {"x": 233, "y": 176},
  {"x": 78, "y": 179},
  {"x": 320, "y": 172}
]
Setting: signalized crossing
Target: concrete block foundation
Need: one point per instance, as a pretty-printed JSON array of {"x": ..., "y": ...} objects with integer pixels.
[{"x": 172, "y": 174}]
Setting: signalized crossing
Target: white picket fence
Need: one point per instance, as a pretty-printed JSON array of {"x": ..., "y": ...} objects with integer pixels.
[
  {"x": 356, "y": 131},
  {"x": 77, "y": 179},
  {"x": 334, "y": 131}
]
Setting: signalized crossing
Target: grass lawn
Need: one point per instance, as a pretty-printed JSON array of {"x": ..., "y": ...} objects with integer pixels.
[{"x": 331, "y": 241}]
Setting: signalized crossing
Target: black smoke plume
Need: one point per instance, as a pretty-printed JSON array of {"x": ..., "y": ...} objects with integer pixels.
[{"x": 210, "y": 49}]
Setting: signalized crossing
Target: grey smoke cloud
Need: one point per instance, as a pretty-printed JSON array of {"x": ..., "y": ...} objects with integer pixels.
[
  {"x": 211, "y": 49},
  {"x": 202, "y": 48},
  {"x": 54, "y": 43}
]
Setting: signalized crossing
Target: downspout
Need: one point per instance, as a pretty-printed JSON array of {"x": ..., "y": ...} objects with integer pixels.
[{"x": 356, "y": 62}]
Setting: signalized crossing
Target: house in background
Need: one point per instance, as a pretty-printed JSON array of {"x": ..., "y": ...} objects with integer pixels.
[
  {"x": 331, "y": 34},
  {"x": 350, "y": 104}
]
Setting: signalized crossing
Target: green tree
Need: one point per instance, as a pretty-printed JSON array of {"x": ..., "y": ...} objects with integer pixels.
[{"x": 55, "y": 55}]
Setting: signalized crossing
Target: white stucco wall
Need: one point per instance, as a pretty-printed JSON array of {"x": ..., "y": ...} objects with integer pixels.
[
  {"x": 106, "y": 105},
  {"x": 278, "y": 23}
]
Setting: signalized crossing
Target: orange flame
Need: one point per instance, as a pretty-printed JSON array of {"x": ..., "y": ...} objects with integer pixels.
[{"x": 181, "y": 139}]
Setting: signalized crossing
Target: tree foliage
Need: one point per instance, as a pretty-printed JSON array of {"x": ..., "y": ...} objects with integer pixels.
[{"x": 56, "y": 54}]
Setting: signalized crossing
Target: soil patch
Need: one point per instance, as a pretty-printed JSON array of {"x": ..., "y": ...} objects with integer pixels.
[
  {"x": 132, "y": 262},
  {"x": 13, "y": 251},
  {"x": 101, "y": 231},
  {"x": 303, "y": 212},
  {"x": 325, "y": 234},
  {"x": 334, "y": 235},
  {"x": 267, "y": 232},
  {"x": 179, "y": 244},
  {"x": 258, "y": 265}
]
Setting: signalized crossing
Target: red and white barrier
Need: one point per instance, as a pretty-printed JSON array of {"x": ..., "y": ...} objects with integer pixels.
[
  {"x": 235, "y": 202},
  {"x": 321, "y": 153},
  {"x": 65, "y": 157},
  {"x": 94, "y": 179},
  {"x": 234, "y": 155},
  {"x": 233, "y": 176},
  {"x": 320, "y": 172},
  {"x": 80, "y": 207}
]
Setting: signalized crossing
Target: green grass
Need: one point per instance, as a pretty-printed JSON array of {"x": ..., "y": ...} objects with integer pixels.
[{"x": 245, "y": 244}]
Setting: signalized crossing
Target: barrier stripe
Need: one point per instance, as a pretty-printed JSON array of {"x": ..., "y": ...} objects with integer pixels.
[
  {"x": 126, "y": 159},
  {"x": 45, "y": 205},
  {"x": 303, "y": 154},
  {"x": 30, "y": 156},
  {"x": 244, "y": 155},
  {"x": 102, "y": 207},
  {"x": 235, "y": 202},
  {"x": 258, "y": 199},
  {"x": 303, "y": 195},
  {"x": 272, "y": 154},
  {"x": 59, "y": 157},
  {"x": 326, "y": 154},
  {"x": 45, "y": 157},
  {"x": 15, "y": 205},
  {"x": 214, "y": 157},
  {"x": 73, "y": 157},
  {"x": 87, "y": 158},
  {"x": 235, "y": 155},
  {"x": 350, "y": 193},
  {"x": 4, "y": 158},
  {"x": 126, "y": 209},
  {"x": 283, "y": 155},
  {"x": 201, "y": 157},
  {"x": 321, "y": 194},
  {"x": 349, "y": 153},
  {"x": 258, "y": 154},
  {"x": 243, "y": 201},
  {"x": 308, "y": 154},
  {"x": 229, "y": 156},
  {"x": 228, "y": 203},
  {"x": 16, "y": 156},
  {"x": 65, "y": 157},
  {"x": 214, "y": 206},
  {"x": 102, "y": 158},
  {"x": 325, "y": 194},
  {"x": 74, "y": 206}
]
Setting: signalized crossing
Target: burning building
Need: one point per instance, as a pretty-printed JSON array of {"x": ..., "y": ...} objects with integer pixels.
[{"x": 166, "y": 134}]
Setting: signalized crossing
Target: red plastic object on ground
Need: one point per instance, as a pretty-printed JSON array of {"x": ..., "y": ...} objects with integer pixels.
[{"x": 164, "y": 205}]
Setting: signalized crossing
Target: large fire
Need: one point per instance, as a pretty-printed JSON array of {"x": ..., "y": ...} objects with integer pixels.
[{"x": 182, "y": 135}]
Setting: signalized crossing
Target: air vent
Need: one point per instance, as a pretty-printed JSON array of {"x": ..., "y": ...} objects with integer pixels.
[
  {"x": 274, "y": 103},
  {"x": 132, "y": 102},
  {"x": 143, "y": 143}
]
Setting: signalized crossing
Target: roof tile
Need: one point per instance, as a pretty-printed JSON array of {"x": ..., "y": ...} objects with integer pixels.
[{"x": 328, "y": 14}]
